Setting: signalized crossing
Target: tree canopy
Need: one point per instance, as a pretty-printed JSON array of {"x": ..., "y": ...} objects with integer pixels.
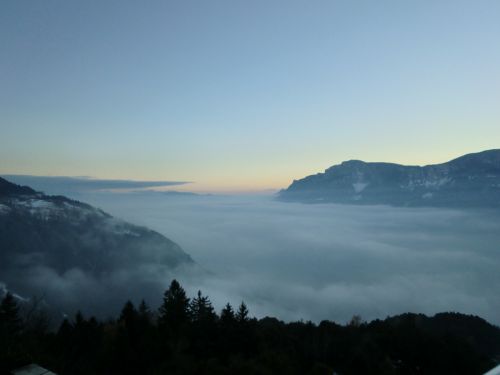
[{"x": 187, "y": 336}]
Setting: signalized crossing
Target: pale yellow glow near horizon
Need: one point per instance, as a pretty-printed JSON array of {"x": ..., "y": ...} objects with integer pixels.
[
  {"x": 247, "y": 179},
  {"x": 273, "y": 177}
]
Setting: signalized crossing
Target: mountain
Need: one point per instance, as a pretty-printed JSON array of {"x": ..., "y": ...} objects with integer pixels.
[
  {"x": 7, "y": 188},
  {"x": 55, "y": 245},
  {"x": 472, "y": 180}
]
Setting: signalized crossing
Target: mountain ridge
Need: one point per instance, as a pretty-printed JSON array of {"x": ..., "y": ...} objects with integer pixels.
[
  {"x": 45, "y": 238},
  {"x": 9, "y": 188},
  {"x": 471, "y": 180}
]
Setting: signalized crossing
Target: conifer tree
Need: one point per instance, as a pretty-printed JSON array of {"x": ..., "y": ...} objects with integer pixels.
[
  {"x": 129, "y": 314},
  {"x": 174, "y": 311},
  {"x": 242, "y": 314},
  {"x": 65, "y": 329},
  {"x": 202, "y": 310},
  {"x": 227, "y": 316},
  {"x": 79, "y": 319},
  {"x": 144, "y": 309},
  {"x": 10, "y": 321},
  {"x": 145, "y": 315}
]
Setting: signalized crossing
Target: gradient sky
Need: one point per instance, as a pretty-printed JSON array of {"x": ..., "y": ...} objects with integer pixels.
[{"x": 243, "y": 95}]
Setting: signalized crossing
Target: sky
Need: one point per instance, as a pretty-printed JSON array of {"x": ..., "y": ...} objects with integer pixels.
[{"x": 243, "y": 95}]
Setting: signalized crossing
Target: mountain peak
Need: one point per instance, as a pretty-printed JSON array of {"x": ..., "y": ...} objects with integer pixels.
[
  {"x": 491, "y": 157},
  {"x": 353, "y": 162}
]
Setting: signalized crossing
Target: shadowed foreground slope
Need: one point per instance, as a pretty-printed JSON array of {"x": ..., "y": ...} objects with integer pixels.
[{"x": 186, "y": 336}]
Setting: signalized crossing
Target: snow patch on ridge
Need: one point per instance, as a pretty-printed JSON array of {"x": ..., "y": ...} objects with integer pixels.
[
  {"x": 4, "y": 209},
  {"x": 359, "y": 186},
  {"x": 40, "y": 204},
  {"x": 437, "y": 183}
]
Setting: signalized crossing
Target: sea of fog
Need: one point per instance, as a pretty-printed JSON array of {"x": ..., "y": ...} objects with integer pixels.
[{"x": 324, "y": 261}]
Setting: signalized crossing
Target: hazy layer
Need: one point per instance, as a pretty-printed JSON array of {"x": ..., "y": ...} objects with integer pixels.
[{"x": 328, "y": 261}]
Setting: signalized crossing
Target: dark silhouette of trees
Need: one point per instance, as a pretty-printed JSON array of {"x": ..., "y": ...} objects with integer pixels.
[
  {"x": 10, "y": 319},
  {"x": 189, "y": 337},
  {"x": 174, "y": 312},
  {"x": 145, "y": 314},
  {"x": 242, "y": 314},
  {"x": 10, "y": 329},
  {"x": 227, "y": 316},
  {"x": 201, "y": 310},
  {"x": 203, "y": 330}
]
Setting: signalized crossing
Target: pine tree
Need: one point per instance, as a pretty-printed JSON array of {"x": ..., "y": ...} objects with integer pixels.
[
  {"x": 129, "y": 314},
  {"x": 242, "y": 314},
  {"x": 145, "y": 315},
  {"x": 227, "y": 316},
  {"x": 10, "y": 321},
  {"x": 245, "y": 340},
  {"x": 65, "y": 329},
  {"x": 79, "y": 319},
  {"x": 203, "y": 331},
  {"x": 144, "y": 309},
  {"x": 174, "y": 312},
  {"x": 202, "y": 310}
]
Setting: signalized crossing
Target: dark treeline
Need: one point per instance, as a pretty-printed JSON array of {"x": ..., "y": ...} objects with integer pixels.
[{"x": 186, "y": 336}]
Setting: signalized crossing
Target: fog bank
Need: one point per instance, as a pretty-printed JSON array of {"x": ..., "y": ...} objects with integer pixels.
[{"x": 317, "y": 262}]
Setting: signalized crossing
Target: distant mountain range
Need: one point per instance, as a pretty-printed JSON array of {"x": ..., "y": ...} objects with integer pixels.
[
  {"x": 472, "y": 180},
  {"x": 44, "y": 235}
]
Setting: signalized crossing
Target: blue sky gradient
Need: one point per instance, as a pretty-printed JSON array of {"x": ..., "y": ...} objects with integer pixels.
[{"x": 243, "y": 95}]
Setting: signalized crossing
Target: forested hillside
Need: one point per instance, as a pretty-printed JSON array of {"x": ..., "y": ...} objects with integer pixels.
[{"x": 186, "y": 336}]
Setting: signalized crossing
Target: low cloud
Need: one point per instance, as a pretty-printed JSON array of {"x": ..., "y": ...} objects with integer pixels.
[
  {"x": 78, "y": 185},
  {"x": 326, "y": 261},
  {"x": 292, "y": 261}
]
